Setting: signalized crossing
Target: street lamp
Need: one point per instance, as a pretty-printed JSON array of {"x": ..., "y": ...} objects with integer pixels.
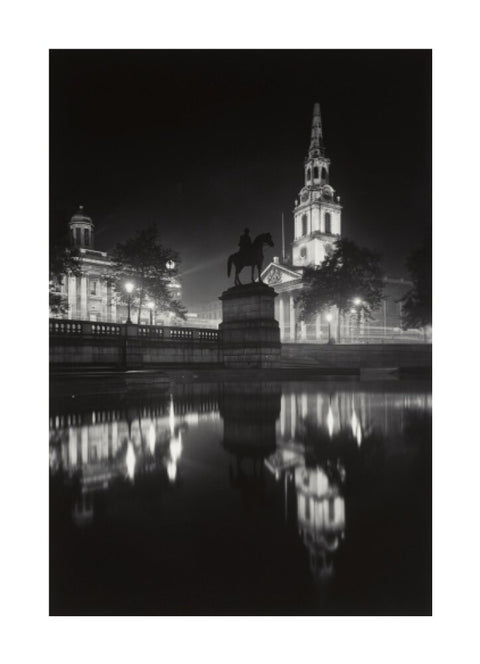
[
  {"x": 151, "y": 306},
  {"x": 329, "y": 320},
  {"x": 357, "y": 302},
  {"x": 129, "y": 288}
]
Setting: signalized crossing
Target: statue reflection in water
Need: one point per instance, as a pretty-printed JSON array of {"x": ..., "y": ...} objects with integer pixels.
[{"x": 249, "y": 412}]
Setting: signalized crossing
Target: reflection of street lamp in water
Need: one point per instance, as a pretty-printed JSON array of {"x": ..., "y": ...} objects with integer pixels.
[
  {"x": 129, "y": 288},
  {"x": 175, "y": 444}
]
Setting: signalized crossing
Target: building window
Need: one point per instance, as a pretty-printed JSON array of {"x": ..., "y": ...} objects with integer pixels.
[
  {"x": 324, "y": 173},
  {"x": 328, "y": 222},
  {"x": 315, "y": 173},
  {"x": 93, "y": 287},
  {"x": 304, "y": 224},
  {"x": 78, "y": 236},
  {"x": 303, "y": 252},
  {"x": 309, "y": 174},
  {"x": 87, "y": 237}
]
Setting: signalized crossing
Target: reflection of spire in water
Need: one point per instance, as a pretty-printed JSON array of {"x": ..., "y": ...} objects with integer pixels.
[
  {"x": 130, "y": 460},
  {"x": 356, "y": 427},
  {"x": 330, "y": 420},
  {"x": 151, "y": 437}
]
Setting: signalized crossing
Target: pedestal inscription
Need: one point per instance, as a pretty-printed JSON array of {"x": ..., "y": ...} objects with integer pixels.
[{"x": 249, "y": 333}]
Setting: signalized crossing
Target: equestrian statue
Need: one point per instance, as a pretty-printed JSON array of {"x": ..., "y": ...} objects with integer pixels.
[{"x": 250, "y": 254}]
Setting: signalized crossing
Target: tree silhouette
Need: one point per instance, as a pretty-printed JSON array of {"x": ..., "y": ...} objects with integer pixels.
[
  {"x": 143, "y": 260},
  {"x": 350, "y": 274},
  {"x": 417, "y": 302}
]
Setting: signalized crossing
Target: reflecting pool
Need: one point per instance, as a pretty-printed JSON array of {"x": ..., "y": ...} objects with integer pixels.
[{"x": 264, "y": 498}]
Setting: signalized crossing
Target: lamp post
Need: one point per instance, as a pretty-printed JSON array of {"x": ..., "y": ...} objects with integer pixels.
[
  {"x": 329, "y": 320},
  {"x": 151, "y": 306},
  {"x": 129, "y": 288},
  {"x": 357, "y": 302}
]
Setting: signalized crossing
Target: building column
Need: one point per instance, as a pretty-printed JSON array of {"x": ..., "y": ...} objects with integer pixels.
[
  {"x": 281, "y": 317},
  {"x": 72, "y": 296},
  {"x": 303, "y": 330},
  {"x": 83, "y": 298},
  {"x": 292, "y": 319}
]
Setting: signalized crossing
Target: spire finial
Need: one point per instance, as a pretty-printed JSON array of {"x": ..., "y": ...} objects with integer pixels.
[{"x": 316, "y": 139}]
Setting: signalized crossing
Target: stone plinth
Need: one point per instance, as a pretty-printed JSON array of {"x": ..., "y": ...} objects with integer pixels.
[{"x": 249, "y": 333}]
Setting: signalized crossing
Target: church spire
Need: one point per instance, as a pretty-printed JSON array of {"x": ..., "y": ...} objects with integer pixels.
[{"x": 316, "y": 139}]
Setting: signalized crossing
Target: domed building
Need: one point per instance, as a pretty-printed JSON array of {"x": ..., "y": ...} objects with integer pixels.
[{"x": 90, "y": 296}]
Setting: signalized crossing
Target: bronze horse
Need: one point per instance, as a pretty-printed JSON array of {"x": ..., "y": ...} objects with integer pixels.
[{"x": 253, "y": 256}]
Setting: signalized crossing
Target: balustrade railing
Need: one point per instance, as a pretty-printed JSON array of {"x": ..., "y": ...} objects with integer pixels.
[
  {"x": 106, "y": 329},
  {"x": 151, "y": 331},
  {"x": 66, "y": 327},
  {"x": 69, "y": 328}
]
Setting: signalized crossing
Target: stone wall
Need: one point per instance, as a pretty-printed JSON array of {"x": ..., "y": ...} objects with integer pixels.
[
  {"x": 80, "y": 343},
  {"x": 358, "y": 356}
]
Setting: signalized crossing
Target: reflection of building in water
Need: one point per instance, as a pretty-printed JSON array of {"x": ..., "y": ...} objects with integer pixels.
[
  {"x": 320, "y": 517},
  {"x": 322, "y": 435},
  {"x": 102, "y": 445},
  {"x": 342, "y": 409}
]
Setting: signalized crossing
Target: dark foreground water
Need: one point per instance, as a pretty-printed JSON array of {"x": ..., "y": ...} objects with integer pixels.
[{"x": 253, "y": 498}]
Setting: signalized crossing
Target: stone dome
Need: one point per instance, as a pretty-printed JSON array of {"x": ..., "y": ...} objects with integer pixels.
[{"x": 80, "y": 217}]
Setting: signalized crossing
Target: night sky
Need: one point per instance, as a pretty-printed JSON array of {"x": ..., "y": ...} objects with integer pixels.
[{"x": 204, "y": 143}]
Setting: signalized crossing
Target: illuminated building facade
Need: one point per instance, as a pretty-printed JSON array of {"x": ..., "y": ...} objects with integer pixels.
[
  {"x": 91, "y": 296},
  {"x": 317, "y": 219}
]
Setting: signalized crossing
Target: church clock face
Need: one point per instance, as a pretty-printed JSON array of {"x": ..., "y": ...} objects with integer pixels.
[{"x": 304, "y": 197}]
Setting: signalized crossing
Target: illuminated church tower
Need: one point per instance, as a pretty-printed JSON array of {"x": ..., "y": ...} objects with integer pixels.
[{"x": 317, "y": 213}]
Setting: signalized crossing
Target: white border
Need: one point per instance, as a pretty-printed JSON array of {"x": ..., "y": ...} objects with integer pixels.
[{"x": 28, "y": 30}]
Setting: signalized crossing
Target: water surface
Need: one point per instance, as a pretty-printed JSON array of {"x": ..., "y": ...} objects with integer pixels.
[{"x": 252, "y": 498}]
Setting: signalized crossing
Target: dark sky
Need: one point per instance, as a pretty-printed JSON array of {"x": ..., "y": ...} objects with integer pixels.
[{"x": 206, "y": 142}]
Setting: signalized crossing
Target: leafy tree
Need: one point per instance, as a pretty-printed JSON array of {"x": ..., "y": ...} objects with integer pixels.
[
  {"x": 349, "y": 275},
  {"x": 143, "y": 261},
  {"x": 417, "y": 302}
]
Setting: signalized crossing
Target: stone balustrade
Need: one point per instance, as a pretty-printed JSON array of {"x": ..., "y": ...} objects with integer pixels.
[
  {"x": 87, "y": 343},
  {"x": 69, "y": 328}
]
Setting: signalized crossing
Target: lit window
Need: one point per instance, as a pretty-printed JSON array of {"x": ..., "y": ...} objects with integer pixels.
[{"x": 328, "y": 222}]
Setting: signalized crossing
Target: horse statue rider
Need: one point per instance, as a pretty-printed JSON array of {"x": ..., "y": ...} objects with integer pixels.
[
  {"x": 250, "y": 254},
  {"x": 245, "y": 243}
]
